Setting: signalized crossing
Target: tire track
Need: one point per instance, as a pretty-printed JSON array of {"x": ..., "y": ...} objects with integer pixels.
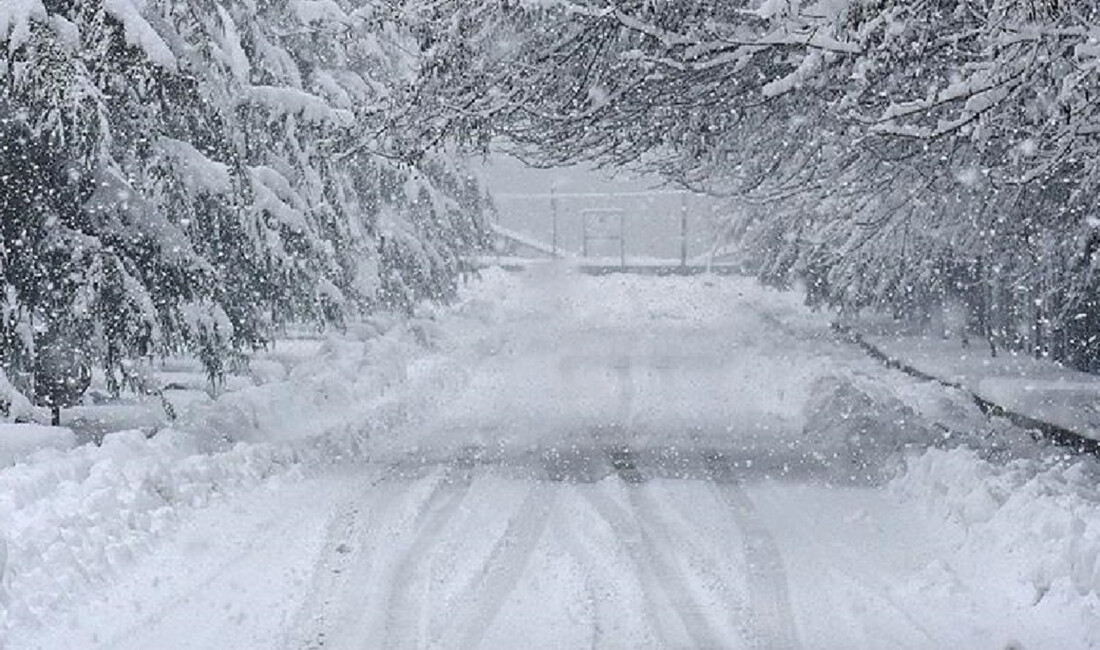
[
  {"x": 629, "y": 535},
  {"x": 310, "y": 632},
  {"x": 338, "y": 614},
  {"x": 482, "y": 601},
  {"x": 574, "y": 546},
  {"x": 771, "y": 617},
  {"x": 652, "y": 551},
  {"x": 402, "y": 625},
  {"x": 670, "y": 544}
]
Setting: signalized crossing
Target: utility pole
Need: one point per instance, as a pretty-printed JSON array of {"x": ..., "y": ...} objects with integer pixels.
[{"x": 683, "y": 229}]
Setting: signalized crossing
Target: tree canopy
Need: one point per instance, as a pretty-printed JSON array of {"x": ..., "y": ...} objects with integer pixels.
[
  {"x": 896, "y": 154},
  {"x": 190, "y": 174}
]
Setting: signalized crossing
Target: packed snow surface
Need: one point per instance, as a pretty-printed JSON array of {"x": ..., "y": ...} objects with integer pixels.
[{"x": 560, "y": 461}]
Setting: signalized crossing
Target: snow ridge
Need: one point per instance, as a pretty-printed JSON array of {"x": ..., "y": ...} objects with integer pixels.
[
  {"x": 73, "y": 518},
  {"x": 1043, "y": 513}
]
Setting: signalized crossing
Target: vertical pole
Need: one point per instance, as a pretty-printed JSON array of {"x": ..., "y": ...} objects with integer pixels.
[
  {"x": 33, "y": 358},
  {"x": 622, "y": 239},
  {"x": 683, "y": 229},
  {"x": 554, "y": 220},
  {"x": 584, "y": 234}
]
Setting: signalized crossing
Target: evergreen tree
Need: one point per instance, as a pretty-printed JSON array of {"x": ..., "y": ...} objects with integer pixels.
[{"x": 186, "y": 175}]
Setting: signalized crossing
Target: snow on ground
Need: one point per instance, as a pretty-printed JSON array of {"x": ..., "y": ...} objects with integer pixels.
[
  {"x": 73, "y": 519},
  {"x": 231, "y": 575},
  {"x": 1028, "y": 530},
  {"x": 561, "y": 461},
  {"x": 1038, "y": 388},
  {"x": 17, "y": 441},
  {"x": 694, "y": 357}
]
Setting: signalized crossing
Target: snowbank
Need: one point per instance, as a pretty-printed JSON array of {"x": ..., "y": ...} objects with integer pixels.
[
  {"x": 17, "y": 441},
  {"x": 70, "y": 518},
  {"x": 1032, "y": 524},
  {"x": 334, "y": 393},
  {"x": 862, "y": 425}
]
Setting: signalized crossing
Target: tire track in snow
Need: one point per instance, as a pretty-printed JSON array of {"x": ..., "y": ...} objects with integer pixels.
[
  {"x": 337, "y": 556},
  {"x": 661, "y": 543},
  {"x": 653, "y": 551},
  {"x": 772, "y": 617},
  {"x": 574, "y": 546},
  {"x": 629, "y": 535},
  {"x": 403, "y": 619},
  {"x": 340, "y": 613},
  {"x": 483, "y": 599},
  {"x": 676, "y": 541}
]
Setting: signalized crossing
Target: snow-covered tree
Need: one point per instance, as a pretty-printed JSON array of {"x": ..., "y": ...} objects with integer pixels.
[
  {"x": 189, "y": 174},
  {"x": 902, "y": 153}
]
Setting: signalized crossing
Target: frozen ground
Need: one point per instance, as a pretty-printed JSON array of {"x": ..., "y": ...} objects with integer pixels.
[
  {"x": 561, "y": 461},
  {"x": 1037, "y": 388}
]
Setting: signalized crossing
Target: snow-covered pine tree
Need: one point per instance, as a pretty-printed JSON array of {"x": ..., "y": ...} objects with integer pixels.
[
  {"x": 188, "y": 174},
  {"x": 94, "y": 246}
]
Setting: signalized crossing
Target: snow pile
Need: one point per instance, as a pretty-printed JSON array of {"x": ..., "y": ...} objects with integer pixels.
[
  {"x": 1034, "y": 524},
  {"x": 861, "y": 424},
  {"x": 70, "y": 519},
  {"x": 340, "y": 392},
  {"x": 17, "y": 441}
]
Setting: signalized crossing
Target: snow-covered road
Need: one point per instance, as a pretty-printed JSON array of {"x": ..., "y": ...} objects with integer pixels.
[{"x": 598, "y": 464}]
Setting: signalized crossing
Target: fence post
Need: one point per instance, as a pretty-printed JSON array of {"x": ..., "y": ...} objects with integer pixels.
[
  {"x": 584, "y": 235},
  {"x": 554, "y": 220},
  {"x": 622, "y": 240},
  {"x": 683, "y": 229}
]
